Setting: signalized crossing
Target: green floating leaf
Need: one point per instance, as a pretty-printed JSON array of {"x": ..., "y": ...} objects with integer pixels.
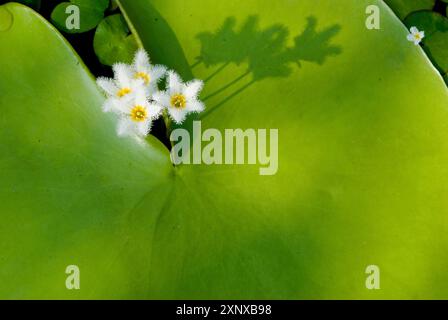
[
  {"x": 436, "y": 36},
  {"x": 362, "y": 155},
  {"x": 92, "y": 4},
  {"x": 363, "y": 148},
  {"x": 112, "y": 42},
  {"x": 91, "y": 12},
  {"x": 404, "y": 7},
  {"x": 70, "y": 189}
]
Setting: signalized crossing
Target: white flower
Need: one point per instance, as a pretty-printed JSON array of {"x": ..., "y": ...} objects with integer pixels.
[
  {"x": 180, "y": 99},
  {"x": 122, "y": 88},
  {"x": 149, "y": 74},
  {"x": 136, "y": 115},
  {"x": 416, "y": 36}
]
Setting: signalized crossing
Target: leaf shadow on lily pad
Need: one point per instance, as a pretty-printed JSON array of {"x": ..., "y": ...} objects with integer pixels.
[{"x": 265, "y": 51}]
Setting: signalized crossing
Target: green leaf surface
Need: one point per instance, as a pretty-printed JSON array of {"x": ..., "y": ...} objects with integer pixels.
[
  {"x": 363, "y": 128},
  {"x": 91, "y": 12},
  {"x": 436, "y": 36},
  {"x": 113, "y": 42},
  {"x": 69, "y": 188},
  {"x": 404, "y": 7},
  {"x": 361, "y": 157},
  {"x": 93, "y": 4}
]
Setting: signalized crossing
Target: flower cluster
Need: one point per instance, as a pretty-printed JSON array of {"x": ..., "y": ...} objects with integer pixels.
[{"x": 134, "y": 96}]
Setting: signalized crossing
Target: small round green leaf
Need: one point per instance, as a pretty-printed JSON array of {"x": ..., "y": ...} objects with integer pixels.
[
  {"x": 93, "y": 4},
  {"x": 78, "y": 16},
  {"x": 113, "y": 41},
  {"x": 402, "y": 8}
]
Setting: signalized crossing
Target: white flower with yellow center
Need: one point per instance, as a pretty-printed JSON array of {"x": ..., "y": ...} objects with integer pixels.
[
  {"x": 149, "y": 74},
  {"x": 180, "y": 99},
  {"x": 136, "y": 115},
  {"x": 416, "y": 36},
  {"x": 122, "y": 88}
]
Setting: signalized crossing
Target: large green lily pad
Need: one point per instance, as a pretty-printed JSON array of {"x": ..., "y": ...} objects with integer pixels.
[
  {"x": 69, "y": 187},
  {"x": 363, "y": 147}
]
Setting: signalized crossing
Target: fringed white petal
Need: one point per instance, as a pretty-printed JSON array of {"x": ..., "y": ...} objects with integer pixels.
[
  {"x": 150, "y": 90},
  {"x": 107, "y": 85},
  {"x": 157, "y": 73},
  {"x": 162, "y": 98},
  {"x": 138, "y": 86},
  {"x": 178, "y": 115},
  {"x": 125, "y": 127},
  {"x": 174, "y": 83},
  {"x": 154, "y": 110},
  {"x": 114, "y": 105},
  {"x": 140, "y": 97},
  {"x": 123, "y": 74},
  {"x": 195, "y": 106},
  {"x": 141, "y": 60},
  {"x": 193, "y": 88},
  {"x": 143, "y": 128}
]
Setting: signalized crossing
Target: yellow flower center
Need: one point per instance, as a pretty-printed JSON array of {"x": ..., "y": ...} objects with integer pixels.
[
  {"x": 144, "y": 76},
  {"x": 178, "y": 101},
  {"x": 139, "y": 114},
  {"x": 417, "y": 36},
  {"x": 124, "y": 91}
]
